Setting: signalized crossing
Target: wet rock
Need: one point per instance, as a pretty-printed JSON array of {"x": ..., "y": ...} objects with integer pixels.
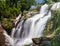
[
  {"x": 37, "y": 41},
  {"x": 41, "y": 41}
]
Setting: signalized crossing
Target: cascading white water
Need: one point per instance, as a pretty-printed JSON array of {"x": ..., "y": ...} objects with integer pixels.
[
  {"x": 55, "y": 6},
  {"x": 8, "y": 39},
  {"x": 31, "y": 28}
]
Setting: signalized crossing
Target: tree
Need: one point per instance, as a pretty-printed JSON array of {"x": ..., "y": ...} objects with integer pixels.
[
  {"x": 14, "y": 2},
  {"x": 26, "y": 4},
  {"x": 48, "y": 1},
  {"x": 11, "y": 3},
  {"x": 56, "y": 0}
]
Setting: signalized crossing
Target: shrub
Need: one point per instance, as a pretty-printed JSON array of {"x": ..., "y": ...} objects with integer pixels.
[{"x": 7, "y": 15}]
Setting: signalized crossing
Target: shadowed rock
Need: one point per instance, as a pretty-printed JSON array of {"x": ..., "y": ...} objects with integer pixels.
[{"x": 42, "y": 40}]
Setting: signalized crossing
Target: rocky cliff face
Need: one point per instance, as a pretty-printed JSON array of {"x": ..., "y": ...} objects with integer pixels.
[{"x": 2, "y": 37}]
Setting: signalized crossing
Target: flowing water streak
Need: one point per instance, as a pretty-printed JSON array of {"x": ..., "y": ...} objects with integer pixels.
[{"x": 8, "y": 39}]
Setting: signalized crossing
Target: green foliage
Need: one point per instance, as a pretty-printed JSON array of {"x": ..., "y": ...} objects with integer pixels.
[
  {"x": 7, "y": 25},
  {"x": 56, "y": 28},
  {"x": 8, "y": 14},
  {"x": 56, "y": 0},
  {"x": 26, "y": 4},
  {"x": 56, "y": 19},
  {"x": 56, "y": 40},
  {"x": 9, "y": 9},
  {"x": 53, "y": 27},
  {"x": 48, "y": 1}
]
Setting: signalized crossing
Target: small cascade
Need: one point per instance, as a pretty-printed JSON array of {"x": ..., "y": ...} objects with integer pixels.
[
  {"x": 55, "y": 6},
  {"x": 8, "y": 39}
]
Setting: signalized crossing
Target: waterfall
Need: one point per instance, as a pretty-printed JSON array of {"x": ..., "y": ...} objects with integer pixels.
[{"x": 30, "y": 28}]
